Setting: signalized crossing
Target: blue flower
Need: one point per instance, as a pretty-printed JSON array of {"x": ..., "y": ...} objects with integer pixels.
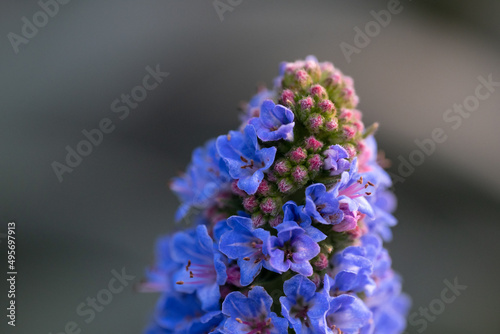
[
  {"x": 292, "y": 212},
  {"x": 388, "y": 305},
  {"x": 292, "y": 249},
  {"x": 245, "y": 244},
  {"x": 159, "y": 277},
  {"x": 305, "y": 308},
  {"x": 206, "y": 175},
  {"x": 275, "y": 122},
  {"x": 244, "y": 158},
  {"x": 253, "y": 107},
  {"x": 203, "y": 268},
  {"x": 323, "y": 205},
  {"x": 370, "y": 167},
  {"x": 182, "y": 313},
  {"x": 347, "y": 314},
  {"x": 352, "y": 271},
  {"x": 383, "y": 203},
  {"x": 252, "y": 314},
  {"x": 336, "y": 160}
]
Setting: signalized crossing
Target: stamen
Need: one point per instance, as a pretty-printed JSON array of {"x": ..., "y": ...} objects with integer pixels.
[
  {"x": 179, "y": 282},
  {"x": 246, "y": 258},
  {"x": 188, "y": 265}
]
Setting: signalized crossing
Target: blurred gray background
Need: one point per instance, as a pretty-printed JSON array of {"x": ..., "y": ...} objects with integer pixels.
[{"x": 107, "y": 213}]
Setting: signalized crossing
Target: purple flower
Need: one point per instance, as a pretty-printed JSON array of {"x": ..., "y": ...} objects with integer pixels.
[
  {"x": 275, "y": 122},
  {"x": 295, "y": 213},
  {"x": 205, "y": 177},
  {"x": 252, "y": 314},
  {"x": 292, "y": 249},
  {"x": 245, "y": 244},
  {"x": 253, "y": 107},
  {"x": 351, "y": 190},
  {"x": 370, "y": 167},
  {"x": 305, "y": 308},
  {"x": 388, "y": 305},
  {"x": 347, "y": 314},
  {"x": 182, "y": 313},
  {"x": 203, "y": 268},
  {"x": 244, "y": 158},
  {"x": 352, "y": 271},
  {"x": 336, "y": 160},
  {"x": 159, "y": 277},
  {"x": 323, "y": 205},
  {"x": 383, "y": 203}
]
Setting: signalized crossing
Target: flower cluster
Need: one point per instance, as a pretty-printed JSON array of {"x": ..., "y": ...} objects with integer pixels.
[{"x": 290, "y": 213}]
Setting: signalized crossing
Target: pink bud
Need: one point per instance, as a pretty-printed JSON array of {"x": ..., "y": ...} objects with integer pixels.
[
  {"x": 313, "y": 144},
  {"x": 346, "y": 114},
  {"x": 298, "y": 155},
  {"x": 236, "y": 190},
  {"x": 282, "y": 167},
  {"x": 250, "y": 203},
  {"x": 319, "y": 92},
  {"x": 284, "y": 186},
  {"x": 351, "y": 150},
  {"x": 321, "y": 263},
  {"x": 268, "y": 205},
  {"x": 315, "y": 163},
  {"x": 327, "y": 67},
  {"x": 258, "y": 220},
  {"x": 303, "y": 79},
  {"x": 349, "y": 132},
  {"x": 306, "y": 103},
  {"x": 315, "y": 122},
  {"x": 331, "y": 125},
  {"x": 287, "y": 97},
  {"x": 299, "y": 174},
  {"x": 276, "y": 221},
  {"x": 263, "y": 188},
  {"x": 326, "y": 106}
]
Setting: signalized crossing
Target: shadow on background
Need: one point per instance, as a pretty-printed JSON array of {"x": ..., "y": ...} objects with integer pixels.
[{"x": 107, "y": 212}]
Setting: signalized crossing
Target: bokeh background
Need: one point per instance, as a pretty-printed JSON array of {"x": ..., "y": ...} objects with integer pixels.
[{"x": 108, "y": 212}]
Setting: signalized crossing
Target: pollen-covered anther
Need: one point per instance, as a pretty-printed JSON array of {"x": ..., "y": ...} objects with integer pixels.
[
  {"x": 315, "y": 163},
  {"x": 288, "y": 98},
  {"x": 298, "y": 155},
  {"x": 319, "y": 92},
  {"x": 299, "y": 174},
  {"x": 268, "y": 205},
  {"x": 313, "y": 144}
]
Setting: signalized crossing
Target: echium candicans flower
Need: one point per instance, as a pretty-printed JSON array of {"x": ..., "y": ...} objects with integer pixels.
[{"x": 292, "y": 210}]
